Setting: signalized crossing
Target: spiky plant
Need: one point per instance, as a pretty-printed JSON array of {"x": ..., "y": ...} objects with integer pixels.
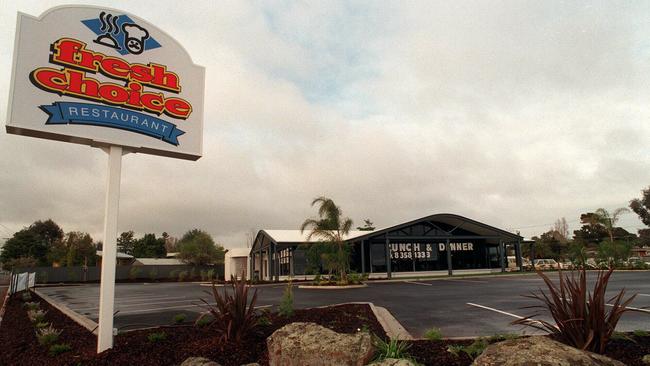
[
  {"x": 234, "y": 316},
  {"x": 583, "y": 319}
]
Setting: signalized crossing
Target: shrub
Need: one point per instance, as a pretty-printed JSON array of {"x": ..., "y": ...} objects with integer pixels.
[
  {"x": 394, "y": 348},
  {"x": 36, "y": 316},
  {"x": 264, "y": 321},
  {"x": 204, "y": 275},
  {"x": 582, "y": 318},
  {"x": 473, "y": 350},
  {"x": 41, "y": 325},
  {"x": 234, "y": 316},
  {"x": 27, "y": 296},
  {"x": 286, "y": 303},
  {"x": 134, "y": 273},
  {"x": 202, "y": 321},
  {"x": 157, "y": 337},
  {"x": 58, "y": 349},
  {"x": 433, "y": 334},
  {"x": 47, "y": 336},
  {"x": 317, "y": 279},
  {"x": 182, "y": 276},
  {"x": 192, "y": 274},
  {"x": 174, "y": 273},
  {"x": 32, "y": 305},
  {"x": 179, "y": 318},
  {"x": 641, "y": 333},
  {"x": 153, "y": 274},
  {"x": 210, "y": 275}
]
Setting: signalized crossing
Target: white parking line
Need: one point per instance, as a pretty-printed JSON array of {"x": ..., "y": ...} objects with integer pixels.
[
  {"x": 418, "y": 283},
  {"x": 120, "y": 304},
  {"x": 643, "y": 295},
  {"x": 495, "y": 310},
  {"x": 635, "y": 309},
  {"x": 154, "y": 310},
  {"x": 470, "y": 281}
]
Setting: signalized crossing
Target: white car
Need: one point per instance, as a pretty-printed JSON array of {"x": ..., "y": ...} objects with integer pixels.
[{"x": 544, "y": 264}]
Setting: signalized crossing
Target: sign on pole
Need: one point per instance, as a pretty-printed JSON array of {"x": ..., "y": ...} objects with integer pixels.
[{"x": 105, "y": 78}]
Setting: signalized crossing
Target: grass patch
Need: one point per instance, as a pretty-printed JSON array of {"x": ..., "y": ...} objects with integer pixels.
[
  {"x": 157, "y": 337},
  {"x": 58, "y": 349},
  {"x": 433, "y": 334}
]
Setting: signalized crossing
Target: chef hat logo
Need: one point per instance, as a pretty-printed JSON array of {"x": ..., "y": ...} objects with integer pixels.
[{"x": 134, "y": 37}]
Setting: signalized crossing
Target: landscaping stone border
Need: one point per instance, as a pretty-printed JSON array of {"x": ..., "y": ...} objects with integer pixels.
[{"x": 77, "y": 318}]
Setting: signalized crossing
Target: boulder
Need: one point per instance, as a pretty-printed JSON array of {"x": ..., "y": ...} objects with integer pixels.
[
  {"x": 539, "y": 351},
  {"x": 199, "y": 361},
  {"x": 646, "y": 360},
  {"x": 392, "y": 362},
  {"x": 309, "y": 344}
]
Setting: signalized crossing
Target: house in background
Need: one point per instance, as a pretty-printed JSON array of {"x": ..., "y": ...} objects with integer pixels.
[
  {"x": 157, "y": 262},
  {"x": 123, "y": 259}
]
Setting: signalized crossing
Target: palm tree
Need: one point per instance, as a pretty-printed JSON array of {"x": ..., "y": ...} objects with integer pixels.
[
  {"x": 609, "y": 220},
  {"x": 330, "y": 227}
]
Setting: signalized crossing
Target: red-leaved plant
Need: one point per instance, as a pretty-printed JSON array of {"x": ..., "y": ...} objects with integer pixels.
[
  {"x": 234, "y": 316},
  {"x": 583, "y": 319}
]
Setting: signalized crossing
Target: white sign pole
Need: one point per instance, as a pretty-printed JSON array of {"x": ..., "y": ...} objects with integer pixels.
[{"x": 109, "y": 250}]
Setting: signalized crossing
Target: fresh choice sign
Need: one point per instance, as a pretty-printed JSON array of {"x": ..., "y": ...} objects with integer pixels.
[{"x": 101, "y": 77}]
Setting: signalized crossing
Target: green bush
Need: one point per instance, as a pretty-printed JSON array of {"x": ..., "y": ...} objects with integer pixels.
[
  {"x": 157, "y": 337},
  {"x": 32, "y": 305},
  {"x": 179, "y": 318},
  {"x": 192, "y": 274},
  {"x": 36, "y": 316},
  {"x": 203, "y": 321},
  {"x": 204, "y": 275},
  {"x": 210, "y": 275},
  {"x": 41, "y": 325},
  {"x": 641, "y": 333},
  {"x": 134, "y": 273},
  {"x": 58, "y": 349},
  {"x": 182, "y": 276},
  {"x": 47, "y": 336},
  {"x": 433, "y": 334},
  {"x": 264, "y": 321},
  {"x": 153, "y": 274},
  {"x": 286, "y": 303},
  {"x": 473, "y": 350},
  {"x": 394, "y": 348},
  {"x": 174, "y": 273}
]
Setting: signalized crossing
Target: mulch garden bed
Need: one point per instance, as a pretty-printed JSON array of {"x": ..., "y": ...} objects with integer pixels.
[{"x": 20, "y": 345}]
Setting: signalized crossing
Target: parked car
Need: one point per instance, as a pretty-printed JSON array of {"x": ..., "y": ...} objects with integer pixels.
[
  {"x": 546, "y": 264},
  {"x": 512, "y": 263}
]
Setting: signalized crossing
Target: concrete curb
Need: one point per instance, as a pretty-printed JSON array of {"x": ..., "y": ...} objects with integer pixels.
[
  {"x": 79, "y": 319},
  {"x": 315, "y": 287}
]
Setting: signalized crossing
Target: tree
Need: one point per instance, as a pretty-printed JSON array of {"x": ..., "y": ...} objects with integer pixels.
[
  {"x": 197, "y": 247},
  {"x": 592, "y": 230},
  {"x": 577, "y": 254},
  {"x": 613, "y": 253},
  {"x": 367, "y": 226},
  {"x": 149, "y": 247},
  {"x": 126, "y": 242},
  {"x": 642, "y": 208},
  {"x": 330, "y": 227},
  {"x": 33, "y": 241},
  {"x": 562, "y": 229},
  {"x": 48, "y": 231},
  {"x": 80, "y": 249},
  {"x": 609, "y": 220},
  {"x": 24, "y": 243}
]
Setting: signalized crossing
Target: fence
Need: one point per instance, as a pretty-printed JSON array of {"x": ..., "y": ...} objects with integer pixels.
[
  {"x": 127, "y": 273},
  {"x": 21, "y": 281}
]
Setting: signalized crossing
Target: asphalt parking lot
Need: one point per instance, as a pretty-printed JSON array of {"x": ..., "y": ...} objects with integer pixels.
[{"x": 460, "y": 307}]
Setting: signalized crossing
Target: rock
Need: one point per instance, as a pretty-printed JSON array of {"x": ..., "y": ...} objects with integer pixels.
[
  {"x": 539, "y": 351},
  {"x": 646, "y": 360},
  {"x": 392, "y": 362},
  {"x": 309, "y": 344},
  {"x": 199, "y": 361}
]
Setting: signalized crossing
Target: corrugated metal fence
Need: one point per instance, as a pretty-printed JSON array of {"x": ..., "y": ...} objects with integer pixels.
[{"x": 128, "y": 273}]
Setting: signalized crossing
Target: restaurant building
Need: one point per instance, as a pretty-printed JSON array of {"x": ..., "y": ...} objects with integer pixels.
[{"x": 440, "y": 244}]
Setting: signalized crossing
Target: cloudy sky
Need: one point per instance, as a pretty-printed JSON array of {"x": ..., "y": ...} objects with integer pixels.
[{"x": 513, "y": 113}]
